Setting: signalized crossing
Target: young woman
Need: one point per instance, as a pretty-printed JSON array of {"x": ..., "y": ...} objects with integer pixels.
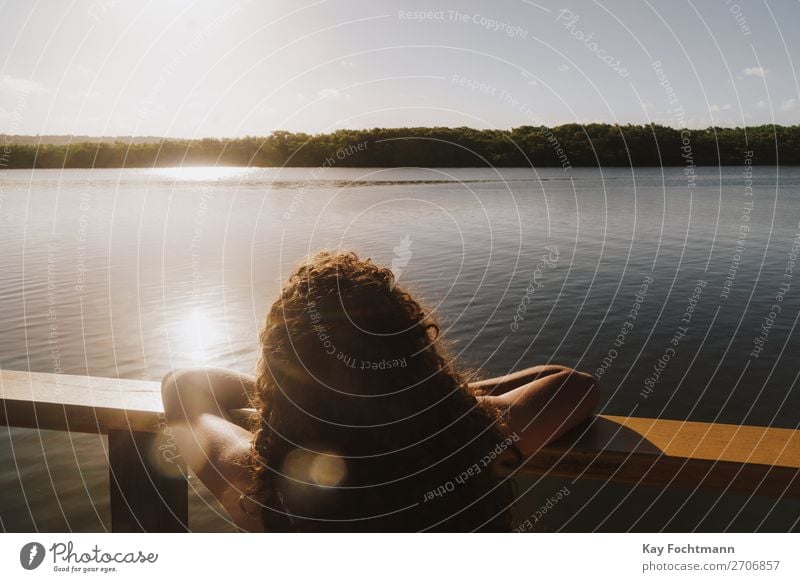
[{"x": 363, "y": 422}]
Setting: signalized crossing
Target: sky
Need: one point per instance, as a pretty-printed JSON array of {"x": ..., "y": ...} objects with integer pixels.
[{"x": 224, "y": 69}]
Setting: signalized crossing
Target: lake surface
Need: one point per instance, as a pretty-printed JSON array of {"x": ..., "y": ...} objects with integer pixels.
[{"x": 680, "y": 296}]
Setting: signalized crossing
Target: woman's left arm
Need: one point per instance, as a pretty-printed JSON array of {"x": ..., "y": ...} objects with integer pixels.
[
  {"x": 197, "y": 404},
  {"x": 542, "y": 410}
]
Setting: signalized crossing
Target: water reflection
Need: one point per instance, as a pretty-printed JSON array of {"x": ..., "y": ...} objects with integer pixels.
[
  {"x": 196, "y": 336},
  {"x": 200, "y": 173},
  {"x": 473, "y": 251}
]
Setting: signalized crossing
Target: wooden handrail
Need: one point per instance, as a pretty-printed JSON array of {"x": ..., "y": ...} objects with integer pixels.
[
  {"x": 724, "y": 457},
  {"x": 148, "y": 488}
]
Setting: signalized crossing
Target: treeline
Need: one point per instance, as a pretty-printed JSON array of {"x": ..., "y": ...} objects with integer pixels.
[
  {"x": 66, "y": 139},
  {"x": 566, "y": 146}
]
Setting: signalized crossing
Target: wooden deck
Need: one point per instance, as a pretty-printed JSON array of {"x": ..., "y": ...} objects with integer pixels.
[{"x": 149, "y": 492}]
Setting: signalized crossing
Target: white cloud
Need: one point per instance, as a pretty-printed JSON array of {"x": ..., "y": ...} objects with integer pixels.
[
  {"x": 761, "y": 104},
  {"x": 332, "y": 94},
  {"x": 697, "y": 122},
  {"x": 790, "y": 105},
  {"x": 20, "y": 85},
  {"x": 725, "y": 107},
  {"x": 347, "y": 64},
  {"x": 563, "y": 68},
  {"x": 755, "y": 72}
]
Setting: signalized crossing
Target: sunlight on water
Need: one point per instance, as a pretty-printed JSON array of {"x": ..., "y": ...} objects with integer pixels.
[
  {"x": 196, "y": 336},
  {"x": 180, "y": 275},
  {"x": 200, "y": 173}
]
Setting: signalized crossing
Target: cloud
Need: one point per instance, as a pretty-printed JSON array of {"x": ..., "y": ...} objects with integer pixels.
[
  {"x": 755, "y": 72},
  {"x": 563, "y": 68},
  {"x": 20, "y": 85},
  {"x": 347, "y": 64},
  {"x": 790, "y": 105},
  {"x": 332, "y": 94},
  {"x": 726, "y": 107},
  {"x": 761, "y": 104}
]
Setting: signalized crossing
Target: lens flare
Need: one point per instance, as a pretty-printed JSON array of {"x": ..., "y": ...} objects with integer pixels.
[{"x": 324, "y": 469}]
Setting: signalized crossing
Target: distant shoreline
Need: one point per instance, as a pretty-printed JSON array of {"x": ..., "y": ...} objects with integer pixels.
[
  {"x": 565, "y": 146},
  {"x": 233, "y": 167}
]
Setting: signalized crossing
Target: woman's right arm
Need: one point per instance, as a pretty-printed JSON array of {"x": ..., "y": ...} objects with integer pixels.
[{"x": 197, "y": 404}]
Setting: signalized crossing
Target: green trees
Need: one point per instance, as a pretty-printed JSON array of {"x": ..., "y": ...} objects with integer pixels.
[{"x": 566, "y": 146}]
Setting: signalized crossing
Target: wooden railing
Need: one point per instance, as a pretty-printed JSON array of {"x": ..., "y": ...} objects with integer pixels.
[{"x": 148, "y": 479}]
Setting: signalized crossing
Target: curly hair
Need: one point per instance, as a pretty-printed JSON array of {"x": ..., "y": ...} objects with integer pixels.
[{"x": 363, "y": 422}]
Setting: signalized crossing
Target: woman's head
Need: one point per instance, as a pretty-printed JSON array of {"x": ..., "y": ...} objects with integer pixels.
[{"x": 364, "y": 423}]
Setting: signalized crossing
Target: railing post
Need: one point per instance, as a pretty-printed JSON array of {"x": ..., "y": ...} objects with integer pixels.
[{"x": 148, "y": 491}]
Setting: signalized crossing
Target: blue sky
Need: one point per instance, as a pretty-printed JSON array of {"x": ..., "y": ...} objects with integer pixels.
[{"x": 189, "y": 69}]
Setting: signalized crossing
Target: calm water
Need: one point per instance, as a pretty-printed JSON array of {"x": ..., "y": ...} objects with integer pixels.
[{"x": 129, "y": 273}]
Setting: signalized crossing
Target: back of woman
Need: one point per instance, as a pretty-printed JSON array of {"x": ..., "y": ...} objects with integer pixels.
[{"x": 364, "y": 424}]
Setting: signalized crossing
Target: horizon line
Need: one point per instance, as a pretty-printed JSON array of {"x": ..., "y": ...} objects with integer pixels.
[{"x": 385, "y": 128}]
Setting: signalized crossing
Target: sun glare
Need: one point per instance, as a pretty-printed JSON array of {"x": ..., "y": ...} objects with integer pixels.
[
  {"x": 198, "y": 336},
  {"x": 201, "y": 173}
]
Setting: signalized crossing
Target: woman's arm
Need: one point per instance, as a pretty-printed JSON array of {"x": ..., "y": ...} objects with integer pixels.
[
  {"x": 542, "y": 410},
  {"x": 196, "y": 404},
  {"x": 503, "y": 384}
]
